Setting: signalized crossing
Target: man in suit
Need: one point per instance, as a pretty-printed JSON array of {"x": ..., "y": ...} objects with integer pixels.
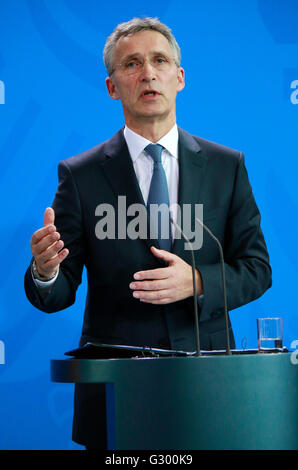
[{"x": 139, "y": 294}]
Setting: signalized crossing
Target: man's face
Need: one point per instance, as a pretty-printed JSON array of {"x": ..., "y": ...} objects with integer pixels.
[{"x": 139, "y": 105}]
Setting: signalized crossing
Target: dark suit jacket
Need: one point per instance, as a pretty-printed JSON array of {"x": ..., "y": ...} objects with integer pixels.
[{"x": 209, "y": 174}]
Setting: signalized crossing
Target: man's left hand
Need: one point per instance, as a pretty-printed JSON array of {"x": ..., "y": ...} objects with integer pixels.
[{"x": 168, "y": 284}]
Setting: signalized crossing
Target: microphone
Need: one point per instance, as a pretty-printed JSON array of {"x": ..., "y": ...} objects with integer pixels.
[
  {"x": 223, "y": 280},
  {"x": 197, "y": 334}
]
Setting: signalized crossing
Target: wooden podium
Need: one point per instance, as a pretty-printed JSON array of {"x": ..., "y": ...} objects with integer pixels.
[{"x": 243, "y": 402}]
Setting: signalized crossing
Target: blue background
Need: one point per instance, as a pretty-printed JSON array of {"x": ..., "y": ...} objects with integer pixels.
[{"x": 240, "y": 58}]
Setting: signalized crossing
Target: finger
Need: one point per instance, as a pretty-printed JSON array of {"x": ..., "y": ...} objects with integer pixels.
[
  {"x": 49, "y": 253},
  {"x": 45, "y": 243},
  {"x": 161, "y": 296},
  {"x": 41, "y": 233},
  {"x": 55, "y": 261},
  {"x": 160, "y": 284},
  {"x": 49, "y": 216},
  {"x": 163, "y": 254},
  {"x": 158, "y": 273},
  {"x": 158, "y": 302}
]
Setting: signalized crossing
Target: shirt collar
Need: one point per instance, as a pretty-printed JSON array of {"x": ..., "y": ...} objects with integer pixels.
[{"x": 136, "y": 143}]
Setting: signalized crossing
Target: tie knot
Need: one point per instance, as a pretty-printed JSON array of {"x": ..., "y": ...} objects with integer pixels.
[{"x": 155, "y": 151}]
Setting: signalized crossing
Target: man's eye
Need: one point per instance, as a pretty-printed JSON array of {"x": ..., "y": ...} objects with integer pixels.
[
  {"x": 160, "y": 60},
  {"x": 131, "y": 64}
]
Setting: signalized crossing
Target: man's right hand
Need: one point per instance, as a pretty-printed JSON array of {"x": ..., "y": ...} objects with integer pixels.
[{"x": 47, "y": 248}]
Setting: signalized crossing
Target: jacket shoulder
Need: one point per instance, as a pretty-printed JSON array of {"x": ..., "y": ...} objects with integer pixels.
[
  {"x": 95, "y": 155},
  {"x": 219, "y": 149},
  {"x": 208, "y": 147}
]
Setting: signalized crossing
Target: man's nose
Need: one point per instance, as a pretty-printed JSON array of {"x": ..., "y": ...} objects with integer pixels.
[{"x": 148, "y": 71}]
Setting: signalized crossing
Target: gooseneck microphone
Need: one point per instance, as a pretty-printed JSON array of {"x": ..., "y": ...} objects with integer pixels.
[
  {"x": 223, "y": 281},
  {"x": 197, "y": 334}
]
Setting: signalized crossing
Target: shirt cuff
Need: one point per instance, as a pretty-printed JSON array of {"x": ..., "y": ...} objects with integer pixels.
[{"x": 44, "y": 286}]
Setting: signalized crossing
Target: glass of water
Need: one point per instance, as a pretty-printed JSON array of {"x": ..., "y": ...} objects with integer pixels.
[{"x": 269, "y": 334}]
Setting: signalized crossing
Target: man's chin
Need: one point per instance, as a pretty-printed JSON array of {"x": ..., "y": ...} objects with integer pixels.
[{"x": 148, "y": 114}]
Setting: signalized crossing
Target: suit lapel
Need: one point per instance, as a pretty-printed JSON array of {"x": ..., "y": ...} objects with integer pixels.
[
  {"x": 192, "y": 168},
  {"x": 119, "y": 171}
]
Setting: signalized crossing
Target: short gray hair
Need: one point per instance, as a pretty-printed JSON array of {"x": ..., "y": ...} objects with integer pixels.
[{"x": 135, "y": 26}]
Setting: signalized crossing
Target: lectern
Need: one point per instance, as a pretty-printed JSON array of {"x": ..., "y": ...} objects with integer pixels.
[{"x": 243, "y": 402}]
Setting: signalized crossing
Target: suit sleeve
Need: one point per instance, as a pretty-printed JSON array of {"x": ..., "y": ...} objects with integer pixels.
[
  {"x": 68, "y": 220},
  {"x": 247, "y": 268}
]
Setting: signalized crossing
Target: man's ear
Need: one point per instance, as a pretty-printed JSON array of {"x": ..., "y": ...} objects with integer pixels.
[
  {"x": 180, "y": 79},
  {"x": 112, "y": 89}
]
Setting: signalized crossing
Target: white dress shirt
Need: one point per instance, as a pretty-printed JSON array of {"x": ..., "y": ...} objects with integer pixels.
[{"x": 143, "y": 164}]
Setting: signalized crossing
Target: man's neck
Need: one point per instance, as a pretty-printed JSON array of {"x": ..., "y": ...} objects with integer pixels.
[{"x": 152, "y": 131}]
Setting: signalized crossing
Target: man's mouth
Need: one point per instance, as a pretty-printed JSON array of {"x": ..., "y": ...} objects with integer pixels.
[{"x": 149, "y": 93}]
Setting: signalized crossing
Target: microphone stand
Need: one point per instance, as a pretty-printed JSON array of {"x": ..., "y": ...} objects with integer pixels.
[
  {"x": 223, "y": 280},
  {"x": 197, "y": 334}
]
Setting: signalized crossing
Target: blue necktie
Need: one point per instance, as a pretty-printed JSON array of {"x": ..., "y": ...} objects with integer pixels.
[{"x": 159, "y": 194}]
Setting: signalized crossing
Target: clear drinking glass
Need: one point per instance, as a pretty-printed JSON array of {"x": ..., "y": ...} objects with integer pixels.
[{"x": 269, "y": 334}]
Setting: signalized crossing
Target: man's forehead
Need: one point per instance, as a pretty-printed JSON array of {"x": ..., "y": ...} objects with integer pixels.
[{"x": 142, "y": 42}]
